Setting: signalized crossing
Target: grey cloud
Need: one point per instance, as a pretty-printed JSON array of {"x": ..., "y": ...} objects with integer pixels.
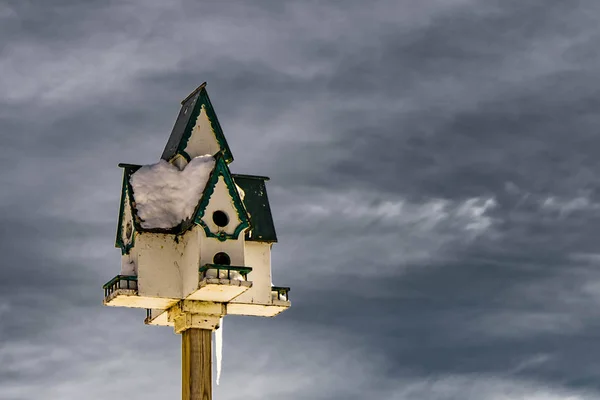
[{"x": 365, "y": 118}]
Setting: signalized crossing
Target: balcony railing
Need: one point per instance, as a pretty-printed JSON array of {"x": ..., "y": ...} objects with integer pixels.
[
  {"x": 225, "y": 271},
  {"x": 280, "y": 293},
  {"x": 120, "y": 282}
]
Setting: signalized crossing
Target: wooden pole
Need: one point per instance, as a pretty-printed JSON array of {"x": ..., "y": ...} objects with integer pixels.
[{"x": 196, "y": 367}]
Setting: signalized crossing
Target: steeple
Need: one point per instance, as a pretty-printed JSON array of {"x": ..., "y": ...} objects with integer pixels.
[{"x": 197, "y": 130}]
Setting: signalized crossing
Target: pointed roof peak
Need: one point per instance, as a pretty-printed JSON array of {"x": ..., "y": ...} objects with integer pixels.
[
  {"x": 197, "y": 130},
  {"x": 194, "y": 92}
]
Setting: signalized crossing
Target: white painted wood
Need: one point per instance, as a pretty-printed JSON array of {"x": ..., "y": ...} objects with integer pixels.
[
  {"x": 168, "y": 270},
  {"x": 257, "y": 256},
  {"x": 190, "y": 262},
  {"x": 129, "y": 264},
  {"x": 212, "y": 246},
  {"x": 199, "y": 307},
  {"x": 202, "y": 140},
  {"x": 158, "y": 317},
  {"x": 257, "y": 310},
  {"x": 130, "y": 298},
  {"x": 195, "y": 314},
  {"x": 221, "y": 201},
  {"x": 159, "y": 260},
  {"x": 197, "y": 321},
  {"x": 219, "y": 290}
]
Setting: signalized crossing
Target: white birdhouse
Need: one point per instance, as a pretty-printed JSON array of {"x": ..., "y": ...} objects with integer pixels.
[{"x": 195, "y": 239}]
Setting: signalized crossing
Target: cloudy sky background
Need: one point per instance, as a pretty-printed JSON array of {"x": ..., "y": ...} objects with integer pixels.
[{"x": 433, "y": 173}]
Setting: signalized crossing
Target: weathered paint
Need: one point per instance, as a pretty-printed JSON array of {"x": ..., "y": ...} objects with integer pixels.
[
  {"x": 219, "y": 290},
  {"x": 166, "y": 262},
  {"x": 158, "y": 317},
  {"x": 202, "y": 217},
  {"x": 131, "y": 298},
  {"x": 198, "y": 321},
  {"x": 190, "y": 261},
  {"x": 257, "y": 256},
  {"x": 211, "y": 246},
  {"x": 167, "y": 270},
  {"x": 129, "y": 264},
  {"x": 198, "y": 307},
  {"x": 195, "y": 314},
  {"x": 221, "y": 201},
  {"x": 159, "y": 265},
  {"x": 202, "y": 139},
  {"x": 126, "y": 229},
  {"x": 256, "y": 310}
]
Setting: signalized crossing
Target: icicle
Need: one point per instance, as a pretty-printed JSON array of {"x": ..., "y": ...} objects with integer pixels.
[{"x": 219, "y": 348}]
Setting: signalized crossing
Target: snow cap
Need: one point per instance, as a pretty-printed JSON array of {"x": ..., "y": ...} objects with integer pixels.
[{"x": 165, "y": 196}]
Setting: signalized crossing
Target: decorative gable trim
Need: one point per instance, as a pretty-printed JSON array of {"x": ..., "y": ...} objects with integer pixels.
[
  {"x": 126, "y": 201},
  {"x": 182, "y": 131},
  {"x": 221, "y": 169}
]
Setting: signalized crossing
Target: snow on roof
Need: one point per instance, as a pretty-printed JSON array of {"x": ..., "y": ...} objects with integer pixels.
[{"x": 165, "y": 196}]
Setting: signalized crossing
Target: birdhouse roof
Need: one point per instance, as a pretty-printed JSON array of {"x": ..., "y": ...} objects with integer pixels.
[
  {"x": 161, "y": 198},
  {"x": 257, "y": 205},
  {"x": 254, "y": 210},
  {"x": 191, "y": 107},
  {"x": 164, "y": 199}
]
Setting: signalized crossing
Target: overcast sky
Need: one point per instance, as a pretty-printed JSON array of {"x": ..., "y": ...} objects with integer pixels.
[{"x": 434, "y": 186}]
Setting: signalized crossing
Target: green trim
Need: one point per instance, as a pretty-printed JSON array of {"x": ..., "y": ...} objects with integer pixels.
[
  {"x": 221, "y": 169},
  {"x": 130, "y": 166},
  {"x": 119, "y": 278},
  {"x": 212, "y": 117},
  {"x": 128, "y": 170},
  {"x": 257, "y": 177},
  {"x": 281, "y": 290},
  {"x": 204, "y": 101},
  {"x": 112, "y": 285},
  {"x": 125, "y": 193},
  {"x": 136, "y": 220},
  {"x": 119, "y": 238}
]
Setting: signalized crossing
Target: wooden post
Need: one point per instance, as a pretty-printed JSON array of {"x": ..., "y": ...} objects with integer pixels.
[{"x": 196, "y": 367}]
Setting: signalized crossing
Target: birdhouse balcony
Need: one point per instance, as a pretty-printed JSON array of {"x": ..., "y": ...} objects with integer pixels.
[
  {"x": 221, "y": 283},
  {"x": 157, "y": 317},
  {"x": 122, "y": 291},
  {"x": 120, "y": 285},
  {"x": 280, "y": 296}
]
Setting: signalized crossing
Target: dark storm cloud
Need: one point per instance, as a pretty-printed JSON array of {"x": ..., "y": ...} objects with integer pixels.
[{"x": 433, "y": 187}]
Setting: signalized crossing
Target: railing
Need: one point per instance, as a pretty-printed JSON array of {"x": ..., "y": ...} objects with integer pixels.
[
  {"x": 225, "y": 271},
  {"x": 129, "y": 282},
  {"x": 280, "y": 292}
]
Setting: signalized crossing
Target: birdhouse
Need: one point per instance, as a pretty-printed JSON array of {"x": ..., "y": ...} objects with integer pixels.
[{"x": 195, "y": 239}]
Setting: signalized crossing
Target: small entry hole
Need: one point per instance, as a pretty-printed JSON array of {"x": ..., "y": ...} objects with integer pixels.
[
  {"x": 222, "y": 259},
  {"x": 220, "y": 218}
]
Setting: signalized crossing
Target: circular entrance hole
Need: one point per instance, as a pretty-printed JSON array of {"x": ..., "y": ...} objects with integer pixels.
[
  {"x": 220, "y": 218},
  {"x": 222, "y": 259}
]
